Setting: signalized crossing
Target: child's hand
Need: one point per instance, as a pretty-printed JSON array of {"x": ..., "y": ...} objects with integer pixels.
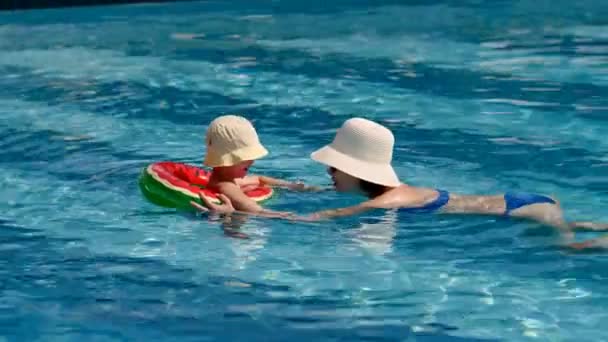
[
  {"x": 224, "y": 208},
  {"x": 299, "y": 186}
]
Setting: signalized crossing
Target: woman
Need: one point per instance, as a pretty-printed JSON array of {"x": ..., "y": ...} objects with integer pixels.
[{"x": 359, "y": 160}]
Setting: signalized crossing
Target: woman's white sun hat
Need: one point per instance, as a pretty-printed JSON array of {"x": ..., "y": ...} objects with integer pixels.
[
  {"x": 362, "y": 149},
  {"x": 232, "y": 139}
]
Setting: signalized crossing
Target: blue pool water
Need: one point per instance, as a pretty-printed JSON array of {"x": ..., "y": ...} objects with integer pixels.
[{"x": 483, "y": 97}]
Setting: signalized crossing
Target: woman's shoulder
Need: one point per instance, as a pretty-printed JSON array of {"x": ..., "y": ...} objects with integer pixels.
[{"x": 403, "y": 196}]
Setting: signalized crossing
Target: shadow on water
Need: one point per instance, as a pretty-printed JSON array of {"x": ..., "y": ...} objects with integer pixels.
[{"x": 219, "y": 6}]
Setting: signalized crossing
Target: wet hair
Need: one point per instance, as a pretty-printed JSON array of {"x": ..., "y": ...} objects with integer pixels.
[{"x": 372, "y": 189}]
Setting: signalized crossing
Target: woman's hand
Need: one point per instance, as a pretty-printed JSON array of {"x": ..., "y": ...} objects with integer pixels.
[
  {"x": 299, "y": 186},
  {"x": 224, "y": 208}
]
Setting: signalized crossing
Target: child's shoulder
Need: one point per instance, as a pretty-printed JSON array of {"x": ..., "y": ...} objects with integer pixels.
[
  {"x": 248, "y": 183},
  {"x": 243, "y": 184},
  {"x": 248, "y": 180}
]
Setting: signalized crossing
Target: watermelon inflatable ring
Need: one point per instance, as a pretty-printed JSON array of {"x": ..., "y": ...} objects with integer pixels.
[{"x": 174, "y": 185}]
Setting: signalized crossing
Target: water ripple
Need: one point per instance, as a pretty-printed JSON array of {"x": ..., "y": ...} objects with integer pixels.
[{"x": 478, "y": 103}]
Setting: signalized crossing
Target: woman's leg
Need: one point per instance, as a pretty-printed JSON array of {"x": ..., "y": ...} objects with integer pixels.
[
  {"x": 591, "y": 226},
  {"x": 548, "y": 214},
  {"x": 599, "y": 243},
  {"x": 551, "y": 214}
]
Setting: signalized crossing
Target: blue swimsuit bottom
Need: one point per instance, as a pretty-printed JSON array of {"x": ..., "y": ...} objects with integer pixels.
[{"x": 513, "y": 200}]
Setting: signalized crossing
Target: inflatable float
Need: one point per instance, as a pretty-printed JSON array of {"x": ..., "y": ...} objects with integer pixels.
[{"x": 174, "y": 185}]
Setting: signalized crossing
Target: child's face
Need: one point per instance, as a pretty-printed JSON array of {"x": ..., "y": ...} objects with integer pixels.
[{"x": 239, "y": 170}]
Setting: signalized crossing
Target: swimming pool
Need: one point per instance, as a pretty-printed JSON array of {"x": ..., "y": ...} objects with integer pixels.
[{"x": 482, "y": 97}]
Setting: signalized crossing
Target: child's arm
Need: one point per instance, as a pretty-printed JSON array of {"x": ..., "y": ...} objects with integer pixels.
[
  {"x": 226, "y": 207},
  {"x": 256, "y": 180},
  {"x": 265, "y": 180},
  {"x": 234, "y": 199},
  {"x": 237, "y": 197}
]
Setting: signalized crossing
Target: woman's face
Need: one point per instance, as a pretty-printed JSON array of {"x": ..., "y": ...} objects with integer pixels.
[{"x": 343, "y": 182}]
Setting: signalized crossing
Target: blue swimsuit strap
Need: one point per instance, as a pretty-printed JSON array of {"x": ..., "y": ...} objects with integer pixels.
[
  {"x": 430, "y": 207},
  {"x": 515, "y": 200}
]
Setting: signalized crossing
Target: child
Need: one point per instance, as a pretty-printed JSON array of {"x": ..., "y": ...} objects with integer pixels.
[{"x": 232, "y": 147}]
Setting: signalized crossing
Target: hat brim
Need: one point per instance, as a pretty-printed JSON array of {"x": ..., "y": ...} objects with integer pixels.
[
  {"x": 235, "y": 157},
  {"x": 375, "y": 173}
]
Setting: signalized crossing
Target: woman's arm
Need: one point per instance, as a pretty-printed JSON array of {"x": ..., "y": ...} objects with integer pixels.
[
  {"x": 381, "y": 202},
  {"x": 339, "y": 212},
  {"x": 227, "y": 207}
]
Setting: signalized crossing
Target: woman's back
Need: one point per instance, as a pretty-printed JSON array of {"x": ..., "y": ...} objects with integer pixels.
[
  {"x": 475, "y": 204},
  {"x": 427, "y": 200},
  {"x": 524, "y": 205}
]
